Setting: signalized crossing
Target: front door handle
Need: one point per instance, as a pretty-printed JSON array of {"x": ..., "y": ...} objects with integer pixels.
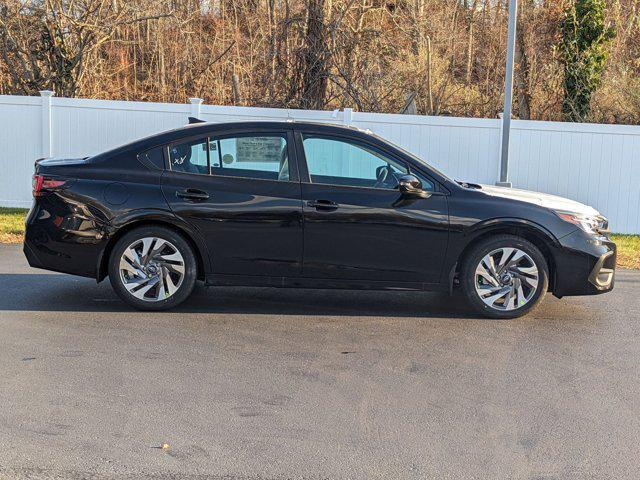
[
  {"x": 192, "y": 194},
  {"x": 324, "y": 205}
]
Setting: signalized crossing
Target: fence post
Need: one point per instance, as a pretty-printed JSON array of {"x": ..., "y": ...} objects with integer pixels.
[
  {"x": 47, "y": 147},
  {"x": 508, "y": 95},
  {"x": 500, "y": 116},
  {"x": 503, "y": 172},
  {"x": 347, "y": 116},
  {"x": 196, "y": 103}
]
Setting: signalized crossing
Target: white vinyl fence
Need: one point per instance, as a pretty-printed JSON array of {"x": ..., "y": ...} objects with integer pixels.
[{"x": 595, "y": 164}]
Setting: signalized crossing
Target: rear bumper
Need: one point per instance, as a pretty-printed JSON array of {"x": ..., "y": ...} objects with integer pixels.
[
  {"x": 63, "y": 238},
  {"x": 32, "y": 257},
  {"x": 585, "y": 265}
]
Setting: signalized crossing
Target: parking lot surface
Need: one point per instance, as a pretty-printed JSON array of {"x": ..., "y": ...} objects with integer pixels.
[{"x": 267, "y": 384}]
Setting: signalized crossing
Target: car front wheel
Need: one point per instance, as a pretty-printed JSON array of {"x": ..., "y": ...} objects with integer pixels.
[
  {"x": 504, "y": 277},
  {"x": 152, "y": 268}
]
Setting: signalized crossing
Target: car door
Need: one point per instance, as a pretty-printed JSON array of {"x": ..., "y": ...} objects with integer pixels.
[
  {"x": 242, "y": 192},
  {"x": 357, "y": 224}
]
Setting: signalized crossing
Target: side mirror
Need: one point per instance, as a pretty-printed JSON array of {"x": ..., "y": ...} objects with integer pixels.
[{"x": 411, "y": 186}]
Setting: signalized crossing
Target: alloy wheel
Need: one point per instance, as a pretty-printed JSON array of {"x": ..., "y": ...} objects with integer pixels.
[
  {"x": 506, "y": 279},
  {"x": 152, "y": 269}
]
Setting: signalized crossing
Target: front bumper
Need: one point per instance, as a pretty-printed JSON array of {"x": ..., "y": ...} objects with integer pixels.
[
  {"x": 584, "y": 265},
  {"x": 603, "y": 272}
]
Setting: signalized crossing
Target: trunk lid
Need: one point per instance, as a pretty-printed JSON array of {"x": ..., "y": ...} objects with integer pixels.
[{"x": 45, "y": 163}]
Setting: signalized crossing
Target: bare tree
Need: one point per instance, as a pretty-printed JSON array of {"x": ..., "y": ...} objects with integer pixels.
[
  {"x": 446, "y": 55},
  {"x": 45, "y": 43}
]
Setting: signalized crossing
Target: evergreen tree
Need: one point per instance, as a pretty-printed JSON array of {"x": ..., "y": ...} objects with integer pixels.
[{"x": 585, "y": 34}]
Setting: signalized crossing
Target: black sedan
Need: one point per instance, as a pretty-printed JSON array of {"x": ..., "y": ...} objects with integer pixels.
[{"x": 305, "y": 205}]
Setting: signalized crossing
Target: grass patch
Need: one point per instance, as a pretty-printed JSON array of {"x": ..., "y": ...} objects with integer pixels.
[
  {"x": 12, "y": 224},
  {"x": 12, "y": 230},
  {"x": 628, "y": 250}
]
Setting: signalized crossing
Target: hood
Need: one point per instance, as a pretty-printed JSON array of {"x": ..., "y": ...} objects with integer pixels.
[{"x": 552, "y": 202}]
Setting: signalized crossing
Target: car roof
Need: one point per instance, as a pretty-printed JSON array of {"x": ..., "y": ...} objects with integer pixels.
[
  {"x": 209, "y": 128},
  {"x": 196, "y": 129},
  {"x": 206, "y": 127},
  {"x": 270, "y": 124}
]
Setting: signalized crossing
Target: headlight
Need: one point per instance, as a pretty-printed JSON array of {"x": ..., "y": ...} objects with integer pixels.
[{"x": 593, "y": 224}]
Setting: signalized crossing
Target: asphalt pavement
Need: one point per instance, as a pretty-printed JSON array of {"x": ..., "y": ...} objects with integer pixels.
[{"x": 265, "y": 384}]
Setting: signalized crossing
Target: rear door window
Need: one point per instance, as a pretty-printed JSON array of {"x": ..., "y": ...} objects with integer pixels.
[
  {"x": 263, "y": 157},
  {"x": 190, "y": 157}
]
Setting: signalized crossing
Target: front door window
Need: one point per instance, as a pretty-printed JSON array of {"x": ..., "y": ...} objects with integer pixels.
[{"x": 333, "y": 161}]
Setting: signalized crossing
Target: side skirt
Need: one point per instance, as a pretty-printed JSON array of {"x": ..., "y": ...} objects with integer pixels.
[{"x": 320, "y": 283}]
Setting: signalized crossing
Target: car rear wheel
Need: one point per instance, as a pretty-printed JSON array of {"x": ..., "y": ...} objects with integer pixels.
[
  {"x": 504, "y": 277},
  {"x": 152, "y": 268}
]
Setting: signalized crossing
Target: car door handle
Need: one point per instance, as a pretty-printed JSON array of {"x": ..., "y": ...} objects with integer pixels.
[
  {"x": 326, "y": 205},
  {"x": 192, "y": 194}
]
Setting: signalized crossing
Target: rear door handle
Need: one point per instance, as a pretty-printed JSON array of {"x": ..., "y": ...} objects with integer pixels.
[
  {"x": 192, "y": 194},
  {"x": 325, "y": 205}
]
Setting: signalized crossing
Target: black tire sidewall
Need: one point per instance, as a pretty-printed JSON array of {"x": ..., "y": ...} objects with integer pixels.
[
  {"x": 471, "y": 261},
  {"x": 183, "y": 247}
]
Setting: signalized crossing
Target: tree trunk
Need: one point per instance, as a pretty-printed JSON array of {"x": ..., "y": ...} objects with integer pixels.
[
  {"x": 416, "y": 36},
  {"x": 521, "y": 75},
  {"x": 429, "y": 79},
  {"x": 235, "y": 89},
  {"x": 315, "y": 73}
]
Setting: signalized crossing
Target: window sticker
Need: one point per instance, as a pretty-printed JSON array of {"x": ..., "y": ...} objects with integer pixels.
[{"x": 258, "y": 149}]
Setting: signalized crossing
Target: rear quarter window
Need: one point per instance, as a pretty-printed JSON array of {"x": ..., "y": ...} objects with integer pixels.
[{"x": 153, "y": 158}]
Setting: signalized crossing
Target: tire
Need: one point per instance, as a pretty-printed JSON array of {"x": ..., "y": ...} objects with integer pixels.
[
  {"x": 159, "y": 280},
  {"x": 495, "y": 289}
]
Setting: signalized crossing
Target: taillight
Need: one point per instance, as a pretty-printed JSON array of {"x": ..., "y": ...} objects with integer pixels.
[
  {"x": 36, "y": 184},
  {"x": 40, "y": 184}
]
